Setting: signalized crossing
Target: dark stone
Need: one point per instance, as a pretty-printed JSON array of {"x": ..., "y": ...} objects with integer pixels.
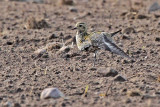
[
  {"x": 107, "y": 72},
  {"x": 17, "y": 105},
  {"x": 53, "y": 36},
  {"x": 120, "y": 78},
  {"x": 157, "y": 39},
  {"x": 9, "y": 43}
]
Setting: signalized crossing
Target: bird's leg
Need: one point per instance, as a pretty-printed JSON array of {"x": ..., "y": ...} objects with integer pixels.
[{"x": 95, "y": 58}]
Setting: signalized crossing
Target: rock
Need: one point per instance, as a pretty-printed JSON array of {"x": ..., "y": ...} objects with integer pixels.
[
  {"x": 120, "y": 78},
  {"x": 157, "y": 39},
  {"x": 42, "y": 24},
  {"x": 65, "y": 2},
  {"x": 140, "y": 16},
  {"x": 93, "y": 69},
  {"x": 35, "y": 1},
  {"x": 157, "y": 93},
  {"x": 40, "y": 51},
  {"x": 107, "y": 72},
  {"x": 51, "y": 93},
  {"x": 129, "y": 30},
  {"x": 67, "y": 37},
  {"x": 73, "y": 9},
  {"x": 9, "y": 43},
  {"x": 7, "y": 104},
  {"x": 53, "y": 36},
  {"x": 125, "y": 37},
  {"x": 32, "y": 23},
  {"x": 146, "y": 96},
  {"x": 155, "y": 6},
  {"x": 128, "y": 100},
  {"x": 53, "y": 45},
  {"x": 65, "y": 49},
  {"x": 17, "y": 105},
  {"x": 61, "y": 34},
  {"x": 133, "y": 93},
  {"x": 45, "y": 55},
  {"x": 123, "y": 13}
]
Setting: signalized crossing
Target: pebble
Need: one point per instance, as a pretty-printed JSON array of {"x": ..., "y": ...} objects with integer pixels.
[
  {"x": 157, "y": 39},
  {"x": 155, "y": 6},
  {"x": 51, "y": 93},
  {"x": 129, "y": 30},
  {"x": 125, "y": 37},
  {"x": 9, "y": 43},
  {"x": 17, "y": 105},
  {"x": 140, "y": 16},
  {"x": 67, "y": 37},
  {"x": 157, "y": 93},
  {"x": 7, "y": 104},
  {"x": 133, "y": 93},
  {"x": 73, "y": 9},
  {"x": 128, "y": 100},
  {"x": 120, "y": 78},
  {"x": 107, "y": 72},
  {"x": 53, "y": 36},
  {"x": 65, "y": 49},
  {"x": 146, "y": 96}
]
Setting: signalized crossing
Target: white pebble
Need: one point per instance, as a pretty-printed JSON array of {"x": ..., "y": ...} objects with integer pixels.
[{"x": 51, "y": 93}]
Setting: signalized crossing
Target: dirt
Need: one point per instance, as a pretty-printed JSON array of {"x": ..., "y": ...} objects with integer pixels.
[{"x": 24, "y": 74}]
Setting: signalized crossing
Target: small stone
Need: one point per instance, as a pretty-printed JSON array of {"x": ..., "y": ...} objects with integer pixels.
[
  {"x": 140, "y": 16},
  {"x": 65, "y": 2},
  {"x": 33, "y": 23},
  {"x": 67, "y": 37},
  {"x": 66, "y": 56},
  {"x": 45, "y": 55},
  {"x": 40, "y": 51},
  {"x": 53, "y": 36},
  {"x": 9, "y": 43},
  {"x": 93, "y": 69},
  {"x": 73, "y": 9},
  {"x": 128, "y": 100},
  {"x": 155, "y": 6},
  {"x": 146, "y": 96},
  {"x": 133, "y": 93},
  {"x": 51, "y": 93},
  {"x": 65, "y": 49},
  {"x": 125, "y": 37},
  {"x": 120, "y": 78},
  {"x": 125, "y": 61},
  {"x": 129, "y": 30},
  {"x": 107, "y": 72},
  {"x": 53, "y": 45},
  {"x": 17, "y": 105},
  {"x": 7, "y": 104},
  {"x": 123, "y": 13},
  {"x": 19, "y": 90},
  {"x": 61, "y": 34},
  {"x": 157, "y": 93},
  {"x": 157, "y": 39}
]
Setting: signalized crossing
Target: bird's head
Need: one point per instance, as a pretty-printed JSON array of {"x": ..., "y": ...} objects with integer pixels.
[{"x": 81, "y": 27}]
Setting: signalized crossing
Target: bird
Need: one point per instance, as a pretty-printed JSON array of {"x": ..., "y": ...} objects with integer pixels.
[{"x": 94, "y": 41}]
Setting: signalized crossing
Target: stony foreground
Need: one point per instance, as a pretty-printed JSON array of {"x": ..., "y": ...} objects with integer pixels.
[{"x": 26, "y": 27}]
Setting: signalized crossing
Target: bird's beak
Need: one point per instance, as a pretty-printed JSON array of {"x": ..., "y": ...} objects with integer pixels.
[{"x": 74, "y": 28}]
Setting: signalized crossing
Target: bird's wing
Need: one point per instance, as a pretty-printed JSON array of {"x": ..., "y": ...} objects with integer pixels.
[
  {"x": 112, "y": 47},
  {"x": 103, "y": 42}
]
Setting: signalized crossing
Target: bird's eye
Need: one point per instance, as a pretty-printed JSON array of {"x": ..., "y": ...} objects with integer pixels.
[{"x": 80, "y": 25}]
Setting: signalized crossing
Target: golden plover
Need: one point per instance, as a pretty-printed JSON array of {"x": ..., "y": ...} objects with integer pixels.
[{"x": 96, "y": 40}]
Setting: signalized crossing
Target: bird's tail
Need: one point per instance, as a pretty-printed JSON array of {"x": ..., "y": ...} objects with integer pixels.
[{"x": 114, "y": 33}]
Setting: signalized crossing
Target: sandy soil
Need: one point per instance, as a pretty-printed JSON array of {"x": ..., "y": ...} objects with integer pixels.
[{"x": 23, "y": 75}]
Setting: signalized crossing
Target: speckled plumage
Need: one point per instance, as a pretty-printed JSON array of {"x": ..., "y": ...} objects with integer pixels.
[{"x": 96, "y": 40}]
